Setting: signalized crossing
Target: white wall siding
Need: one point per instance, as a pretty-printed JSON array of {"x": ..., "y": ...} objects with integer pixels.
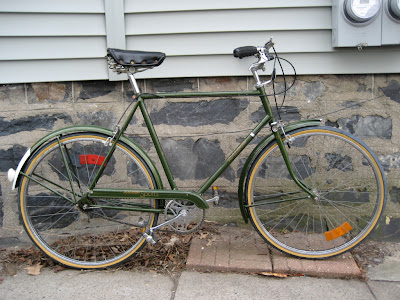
[
  {"x": 248, "y": 20},
  {"x": 47, "y": 40},
  {"x": 225, "y": 42},
  {"x": 52, "y": 6},
  {"x": 133, "y": 6},
  {"x": 32, "y": 48},
  {"x": 53, "y": 70},
  {"x": 28, "y": 24}
]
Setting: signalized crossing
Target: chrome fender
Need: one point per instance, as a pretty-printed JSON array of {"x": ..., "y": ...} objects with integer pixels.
[
  {"x": 12, "y": 175},
  {"x": 256, "y": 152}
]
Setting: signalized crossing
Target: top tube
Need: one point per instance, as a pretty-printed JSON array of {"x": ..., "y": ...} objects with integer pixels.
[{"x": 201, "y": 94}]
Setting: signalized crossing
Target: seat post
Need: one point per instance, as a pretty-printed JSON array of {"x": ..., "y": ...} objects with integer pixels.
[{"x": 134, "y": 84}]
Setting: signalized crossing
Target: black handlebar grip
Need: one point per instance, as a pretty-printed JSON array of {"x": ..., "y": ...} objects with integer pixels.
[{"x": 245, "y": 51}]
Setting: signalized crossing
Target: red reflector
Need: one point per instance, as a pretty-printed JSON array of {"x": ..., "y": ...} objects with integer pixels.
[{"x": 91, "y": 159}]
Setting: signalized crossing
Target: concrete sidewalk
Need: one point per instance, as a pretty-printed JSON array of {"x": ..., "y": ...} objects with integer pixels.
[
  {"x": 71, "y": 284},
  {"x": 234, "y": 250},
  {"x": 241, "y": 250}
]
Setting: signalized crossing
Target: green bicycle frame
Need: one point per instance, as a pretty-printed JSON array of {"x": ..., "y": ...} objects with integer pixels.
[
  {"x": 174, "y": 193},
  {"x": 260, "y": 92}
]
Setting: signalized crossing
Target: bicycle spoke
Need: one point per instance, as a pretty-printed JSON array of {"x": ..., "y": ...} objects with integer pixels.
[
  {"x": 78, "y": 235},
  {"x": 339, "y": 171}
]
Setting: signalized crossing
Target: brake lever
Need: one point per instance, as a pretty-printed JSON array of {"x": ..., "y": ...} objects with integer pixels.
[
  {"x": 269, "y": 44},
  {"x": 263, "y": 57}
]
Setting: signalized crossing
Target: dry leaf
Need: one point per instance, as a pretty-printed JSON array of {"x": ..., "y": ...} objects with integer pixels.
[
  {"x": 59, "y": 269},
  {"x": 149, "y": 257},
  {"x": 171, "y": 257},
  {"x": 210, "y": 241},
  {"x": 172, "y": 241},
  {"x": 272, "y": 274},
  {"x": 1, "y": 280},
  {"x": 34, "y": 270},
  {"x": 9, "y": 269},
  {"x": 186, "y": 238},
  {"x": 203, "y": 235}
]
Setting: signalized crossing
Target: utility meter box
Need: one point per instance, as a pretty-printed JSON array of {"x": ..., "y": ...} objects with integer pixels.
[
  {"x": 391, "y": 22},
  {"x": 356, "y": 23}
]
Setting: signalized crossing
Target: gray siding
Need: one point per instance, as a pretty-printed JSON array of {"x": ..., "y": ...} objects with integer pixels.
[
  {"x": 66, "y": 40},
  {"x": 48, "y": 40}
]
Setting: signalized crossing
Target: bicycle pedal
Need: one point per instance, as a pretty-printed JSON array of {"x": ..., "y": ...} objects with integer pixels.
[{"x": 152, "y": 239}]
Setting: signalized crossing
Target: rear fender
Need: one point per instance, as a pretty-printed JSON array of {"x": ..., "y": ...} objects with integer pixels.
[{"x": 15, "y": 176}]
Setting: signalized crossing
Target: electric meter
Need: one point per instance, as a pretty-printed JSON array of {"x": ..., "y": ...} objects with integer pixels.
[
  {"x": 391, "y": 22},
  {"x": 362, "y": 11},
  {"x": 357, "y": 23},
  {"x": 394, "y": 8}
]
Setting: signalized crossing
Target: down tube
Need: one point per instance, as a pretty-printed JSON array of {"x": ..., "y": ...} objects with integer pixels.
[{"x": 234, "y": 154}]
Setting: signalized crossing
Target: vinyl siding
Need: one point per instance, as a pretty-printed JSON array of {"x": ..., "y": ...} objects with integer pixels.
[
  {"x": 64, "y": 40},
  {"x": 48, "y": 40}
]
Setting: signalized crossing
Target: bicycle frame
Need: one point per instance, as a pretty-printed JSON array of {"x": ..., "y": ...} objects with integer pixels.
[{"x": 175, "y": 193}]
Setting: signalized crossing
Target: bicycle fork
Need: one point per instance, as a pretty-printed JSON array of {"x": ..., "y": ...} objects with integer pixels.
[{"x": 278, "y": 131}]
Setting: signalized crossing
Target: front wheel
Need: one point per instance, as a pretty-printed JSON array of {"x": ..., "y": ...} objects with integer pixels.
[
  {"x": 340, "y": 170},
  {"x": 58, "y": 175}
]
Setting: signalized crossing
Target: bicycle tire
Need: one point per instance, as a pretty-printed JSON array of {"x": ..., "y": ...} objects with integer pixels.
[
  {"x": 91, "y": 239},
  {"x": 344, "y": 174}
]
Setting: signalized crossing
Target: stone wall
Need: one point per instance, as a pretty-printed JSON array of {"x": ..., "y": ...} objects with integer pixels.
[{"x": 197, "y": 135}]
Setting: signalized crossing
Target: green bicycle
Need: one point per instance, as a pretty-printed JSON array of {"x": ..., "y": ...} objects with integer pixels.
[{"x": 91, "y": 197}]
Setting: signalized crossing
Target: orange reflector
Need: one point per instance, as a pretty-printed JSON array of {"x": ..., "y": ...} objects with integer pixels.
[{"x": 338, "y": 232}]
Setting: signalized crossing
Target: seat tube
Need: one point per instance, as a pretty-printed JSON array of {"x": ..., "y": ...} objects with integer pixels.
[
  {"x": 152, "y": 132},
  {"x": 134, "y": 84}
]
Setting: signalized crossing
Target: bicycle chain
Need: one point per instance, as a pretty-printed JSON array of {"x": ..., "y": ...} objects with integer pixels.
[
  {"x": 118, "y": 221},
  {"x": 141, "y": 226}
]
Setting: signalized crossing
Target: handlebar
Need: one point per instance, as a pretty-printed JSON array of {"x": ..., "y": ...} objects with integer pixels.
[
  {"x": 246, "y": 51},
  {"x": 263, "y": 55}
]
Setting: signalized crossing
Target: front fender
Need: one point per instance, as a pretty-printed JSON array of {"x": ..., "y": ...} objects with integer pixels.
[
  {"x": 256, "y": 152},
  {"x": 14, "y": 176}
]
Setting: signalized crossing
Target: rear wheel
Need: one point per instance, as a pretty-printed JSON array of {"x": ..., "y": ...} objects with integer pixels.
[
  {"x": 344, "y": 174},
  {"x": 65, "y": 230}
]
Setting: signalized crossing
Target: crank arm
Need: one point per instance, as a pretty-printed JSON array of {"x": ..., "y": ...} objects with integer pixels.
[
  {"x": 214, "y": 199},
  {"x": 183, "y": 213},
  {"x": 149, "y": 236}
]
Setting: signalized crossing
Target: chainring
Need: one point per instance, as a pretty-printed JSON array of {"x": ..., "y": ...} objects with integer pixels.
[{"x": 191, "y": 220}]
